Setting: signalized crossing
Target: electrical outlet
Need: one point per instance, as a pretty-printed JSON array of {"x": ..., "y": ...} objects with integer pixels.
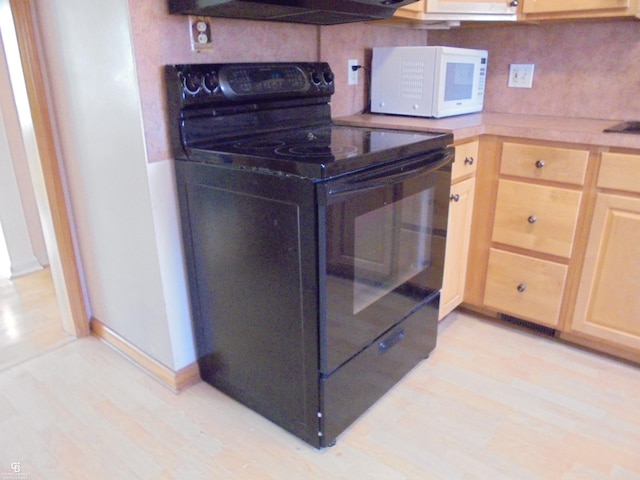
[
  {"x": 352, "y": 75},
  {"x": 521, "y": 75},
  {"x": 200, "y": 33}
]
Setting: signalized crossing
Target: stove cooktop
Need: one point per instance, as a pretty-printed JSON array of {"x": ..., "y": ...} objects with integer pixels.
[{"x": 319, "y": 151}]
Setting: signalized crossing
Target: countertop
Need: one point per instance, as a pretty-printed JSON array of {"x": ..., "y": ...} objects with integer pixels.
[{"x": 535, "y": 127}]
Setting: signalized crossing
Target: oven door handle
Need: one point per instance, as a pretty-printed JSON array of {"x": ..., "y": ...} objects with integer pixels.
[{"x": 396, "y": 173}]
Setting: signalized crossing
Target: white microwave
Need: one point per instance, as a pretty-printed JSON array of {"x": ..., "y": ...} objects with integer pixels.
[{"x": 428, "y": 81}]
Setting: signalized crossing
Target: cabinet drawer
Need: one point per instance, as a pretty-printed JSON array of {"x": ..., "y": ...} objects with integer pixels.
[
  {"x": 548, "y": 6},
  {"x": 544, "y": 163},
  {"x": 466, "y": 160},
  {"x": 535, "y": 217},
  {"x": 525, "y": 287},
  {"x": 620, "y": 171}
]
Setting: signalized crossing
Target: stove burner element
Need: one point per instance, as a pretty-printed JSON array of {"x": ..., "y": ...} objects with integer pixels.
[{"x": 315, "y": 150}]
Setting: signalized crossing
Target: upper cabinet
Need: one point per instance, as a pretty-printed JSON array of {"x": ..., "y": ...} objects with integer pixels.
[
  {"x": 458, "y": 10},
  {"x": 488, "y": 7},
  {"x": 541, "y": 9},
  {"x": 430, "y": 13}
]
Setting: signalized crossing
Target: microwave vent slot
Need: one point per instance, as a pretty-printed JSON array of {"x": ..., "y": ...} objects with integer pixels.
[{"x": 413, "y": 72}]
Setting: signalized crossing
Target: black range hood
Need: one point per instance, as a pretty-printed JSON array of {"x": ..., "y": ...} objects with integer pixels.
[{"x": 315, "y": 12}]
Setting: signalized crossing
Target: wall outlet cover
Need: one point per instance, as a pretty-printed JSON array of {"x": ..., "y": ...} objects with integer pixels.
[
  {"x": 200, "y": 33},
  {"x": 352, "y": 75}
]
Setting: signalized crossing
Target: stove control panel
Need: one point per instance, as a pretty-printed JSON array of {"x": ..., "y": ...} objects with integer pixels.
[{"x": 232, "y": 82}]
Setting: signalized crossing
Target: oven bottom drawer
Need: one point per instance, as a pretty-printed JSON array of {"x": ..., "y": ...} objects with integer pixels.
[{"x": 359, "y": 383}]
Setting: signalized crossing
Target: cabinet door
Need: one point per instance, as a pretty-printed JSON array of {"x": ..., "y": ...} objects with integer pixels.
[
  {"x": 608, "y": 301},
  {"x": 466, "y": 6},
  {"x": 552, "y": 6},
  {"x": 457, "y": 249}
]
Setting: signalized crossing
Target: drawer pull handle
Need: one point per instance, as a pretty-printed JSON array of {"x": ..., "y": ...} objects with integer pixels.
[
  {"x": 540, "y": 164},
  {"x": 455, "y": 197},
  {"x": 532, "y": 219},
  {"x": 469, "y": 161},
  {"x": 514, "y": 3},
  {"x": 390, "y": 341},
  {"x": 522, "y": 287}
]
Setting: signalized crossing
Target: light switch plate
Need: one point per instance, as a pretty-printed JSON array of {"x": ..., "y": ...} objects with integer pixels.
[{"x": 521, "y": 75}]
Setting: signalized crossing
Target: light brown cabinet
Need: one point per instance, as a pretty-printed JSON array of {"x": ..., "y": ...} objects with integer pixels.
[
  {"x": 579, "y": 8},
  {"x": 536, "y": 217},
  {"x": 427, "y": 12},
  {"x": 459, "y": 226},
  {"x": 541, "y": 162},
  {"x": 524, "y": 240},
  {"x": 462, "y": 6},
  {"x": 579, "y": 275},
  {"x": 460, "y": 10},
  {"x": 608, "y": 299},
  {"x": 526, "y": 287}
]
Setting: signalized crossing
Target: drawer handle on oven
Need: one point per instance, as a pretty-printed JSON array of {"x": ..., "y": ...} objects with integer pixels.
[{"x": 390, "y": 341}]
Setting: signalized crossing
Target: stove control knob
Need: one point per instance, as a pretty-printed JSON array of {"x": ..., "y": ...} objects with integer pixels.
[
  {"x": 328, "y": 76},
  {"x": 192, "y": 83},
  {"x": 211, "y": 82},
  {"x": 316, "y": 78}
]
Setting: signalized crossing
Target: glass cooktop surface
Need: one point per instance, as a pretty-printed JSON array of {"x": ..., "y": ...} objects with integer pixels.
[{"x": 319, "y": 151}]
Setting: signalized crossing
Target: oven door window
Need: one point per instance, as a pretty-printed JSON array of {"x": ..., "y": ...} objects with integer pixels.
[
  {"x": 392, "y": 244},
  {"x": 384, "y": 258}
]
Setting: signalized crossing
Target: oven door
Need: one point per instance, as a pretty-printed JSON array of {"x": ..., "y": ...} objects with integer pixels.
[{"x": 382, "y": 237}]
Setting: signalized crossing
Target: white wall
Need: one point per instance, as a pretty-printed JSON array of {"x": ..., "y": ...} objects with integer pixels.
[
  {"x": 124, "y": 230},
  {"x": 14, "y": 225},
  {"x": 21, "y": 229}
]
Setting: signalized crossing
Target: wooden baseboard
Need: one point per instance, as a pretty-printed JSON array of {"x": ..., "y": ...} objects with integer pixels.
[
  {"x": 601, "y": 346},
  {"x": 176, "y": 381},
  {"x": 482, "y": 311}
]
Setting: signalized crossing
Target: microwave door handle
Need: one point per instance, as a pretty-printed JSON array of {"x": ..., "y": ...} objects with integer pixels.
[{"x": 387, "y": 176}]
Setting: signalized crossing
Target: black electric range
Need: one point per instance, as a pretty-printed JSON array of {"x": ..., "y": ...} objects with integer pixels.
[{"x": 314, "y": 251}]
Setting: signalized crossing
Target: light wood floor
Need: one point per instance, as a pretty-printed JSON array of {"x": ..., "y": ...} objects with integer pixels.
[
  {"x": 30, "y": 323},
  {"x": 492, "y": 402}
]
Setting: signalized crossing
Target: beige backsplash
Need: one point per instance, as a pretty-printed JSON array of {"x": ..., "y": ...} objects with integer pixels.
[
  {"x": 588, "y": 70},
  {"x": 582, "y": 70}
]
